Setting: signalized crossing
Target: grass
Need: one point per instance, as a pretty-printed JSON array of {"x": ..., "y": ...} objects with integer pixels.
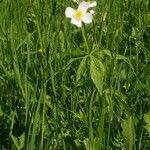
[{"x": 69, "y": 88}]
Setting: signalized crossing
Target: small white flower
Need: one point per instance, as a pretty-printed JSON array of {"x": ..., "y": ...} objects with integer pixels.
[
  {"x": 92, "y": 3},
  {"x": 80, "y": 15}
]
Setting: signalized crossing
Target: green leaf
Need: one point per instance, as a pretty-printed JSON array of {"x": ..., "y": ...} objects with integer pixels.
[
  {"x": 147, "y": 120},
  {"x": 1, "y": 112},
  {"x": 15, "y": 141},
  {"x": 81, "y": 68},
  {"x": 21, "y": 140},
  {"x": 129, "y": 132},
  {"x": 97, "y": 72},
  {"x": 19, "y": 143},
  {"x": 102, "y": 53},
  {"x": 121, "y": 57},
  {"x": 78, "y": 53},
  {"x": 72, "y": 60}
]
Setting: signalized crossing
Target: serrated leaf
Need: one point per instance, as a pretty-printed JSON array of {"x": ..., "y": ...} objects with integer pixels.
[
  {"x": 81, "y": 68},
  {"x": 97, "y": 72}
]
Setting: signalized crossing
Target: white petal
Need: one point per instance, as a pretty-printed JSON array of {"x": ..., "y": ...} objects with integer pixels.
[
  {"x": 93, "y": 4},
  {"x": 87, "y": 18},
  {"x": 78, "y": 23},
  {"x": 69, "y": 12},
  {"x": 83, "y": 6}
]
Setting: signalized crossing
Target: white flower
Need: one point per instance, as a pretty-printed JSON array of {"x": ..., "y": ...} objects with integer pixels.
[
  {"x": 92, "y": 3},
  {"x": 80, "y": 15}
]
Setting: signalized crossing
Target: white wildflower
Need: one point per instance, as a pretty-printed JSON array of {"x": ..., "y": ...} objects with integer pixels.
[
  {"x": 92, "y": 3},
  {"x": 80, "y": 15}
]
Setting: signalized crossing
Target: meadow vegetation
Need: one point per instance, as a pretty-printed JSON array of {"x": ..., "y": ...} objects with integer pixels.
[{"x": 69, "y": 88}]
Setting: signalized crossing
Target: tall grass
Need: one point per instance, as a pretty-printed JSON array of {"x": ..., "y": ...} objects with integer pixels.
[{"x": 63, "y": 87}]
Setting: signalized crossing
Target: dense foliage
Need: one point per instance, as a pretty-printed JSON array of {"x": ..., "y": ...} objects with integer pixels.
[{"x": 69, "y": 88}]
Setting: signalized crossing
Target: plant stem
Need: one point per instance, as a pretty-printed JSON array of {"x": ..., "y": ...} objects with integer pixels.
[{"x": 85, "y": 39}]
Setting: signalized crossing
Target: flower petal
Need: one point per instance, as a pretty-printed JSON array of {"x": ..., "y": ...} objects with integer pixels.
[
  {"x": 83, "y": 6},
  {"x": 69, "y": 12},
  {"x": 87, "y": 18},
  {"x": 93, "y": 4},
  {"x": 78, "y": 23}
]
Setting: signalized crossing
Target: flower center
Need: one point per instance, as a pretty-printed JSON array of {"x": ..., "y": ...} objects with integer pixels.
[{"x": 78, "y": 14}]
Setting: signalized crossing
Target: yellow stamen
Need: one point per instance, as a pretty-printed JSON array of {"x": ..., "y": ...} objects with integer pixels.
[{"x": 78, "y": 14}]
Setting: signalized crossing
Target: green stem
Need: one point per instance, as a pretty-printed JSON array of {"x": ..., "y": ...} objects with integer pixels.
[{"x": 85, "y": 40}]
